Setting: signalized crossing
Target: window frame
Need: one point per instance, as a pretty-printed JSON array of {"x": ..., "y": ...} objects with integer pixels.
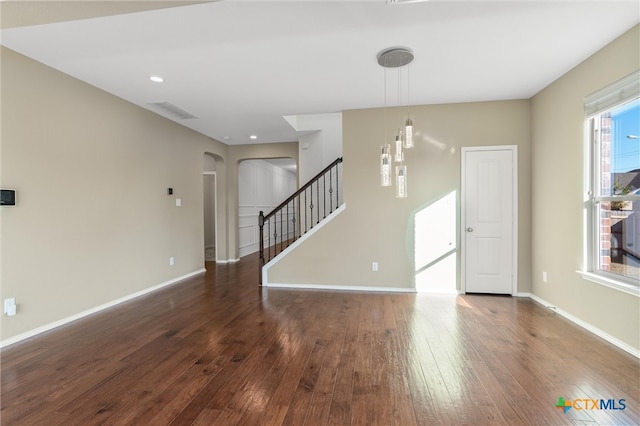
[{"x": 607, "y": 99}]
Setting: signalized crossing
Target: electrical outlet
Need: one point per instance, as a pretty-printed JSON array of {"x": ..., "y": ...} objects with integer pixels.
[
  {"x": 10, "y": 306},
  {"x": 544, "y": 277},
  {"x": 172, "y": 261},
  {"x": 374, "y": 266}
]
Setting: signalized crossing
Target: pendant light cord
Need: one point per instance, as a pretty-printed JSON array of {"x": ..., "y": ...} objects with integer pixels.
[
  {"x": 384, "y": 141},
  {"x": 408, "y": 88}
]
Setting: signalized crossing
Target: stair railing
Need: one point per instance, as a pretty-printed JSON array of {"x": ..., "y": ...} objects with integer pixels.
[{"x": 299, "y": 213}]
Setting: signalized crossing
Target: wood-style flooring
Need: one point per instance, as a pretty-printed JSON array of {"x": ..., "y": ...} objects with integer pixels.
[{"x": 217, "y": 350}]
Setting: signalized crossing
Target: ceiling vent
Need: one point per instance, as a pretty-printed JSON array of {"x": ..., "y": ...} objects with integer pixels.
[
  {"x": 172, "y": 110},
  {"x": 392, "y": 2}
]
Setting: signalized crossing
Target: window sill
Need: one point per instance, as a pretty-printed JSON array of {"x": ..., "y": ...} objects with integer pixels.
[{"x": 610, "y": 282}]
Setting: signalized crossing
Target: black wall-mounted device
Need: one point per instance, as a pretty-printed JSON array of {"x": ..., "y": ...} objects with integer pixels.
[{"x": 7, "y": 197}]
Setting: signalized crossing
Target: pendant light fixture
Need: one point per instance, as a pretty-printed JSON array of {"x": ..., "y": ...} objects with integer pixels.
[{"x": 396, "y": 57}]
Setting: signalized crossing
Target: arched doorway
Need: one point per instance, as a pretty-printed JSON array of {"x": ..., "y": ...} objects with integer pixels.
[{"x": 262, "y": 185}]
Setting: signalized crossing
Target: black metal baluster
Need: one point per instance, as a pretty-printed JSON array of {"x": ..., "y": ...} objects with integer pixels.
[
  {"x": 311, "y": 206},
  {"x": 330, "y": 190},
  {"x": 280, "y": 232},
  {"x": 269, "y": 238},
  {"x": 318, "y": 198},
  {"x": 324, "y": 195},
  {"x": 294, "y": 217},
  {"x": 337, "y": 185}
]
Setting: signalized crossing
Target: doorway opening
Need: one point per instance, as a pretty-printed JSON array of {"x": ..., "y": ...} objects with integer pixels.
[
  {"x": 262, "y": 185},
  {"x": 209, "y": 195}
]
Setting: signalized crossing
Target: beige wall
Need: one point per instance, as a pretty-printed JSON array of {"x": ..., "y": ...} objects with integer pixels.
[
  {"x": 558, "y": 190},
  {"x": 93, "y": 222},
  {"x": 377, "y": 227}
]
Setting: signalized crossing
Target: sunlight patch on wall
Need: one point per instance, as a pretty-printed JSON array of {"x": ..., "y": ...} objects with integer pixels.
[
  {"x": 439, "y": 277},
  {"x": 435, "y": 246}
]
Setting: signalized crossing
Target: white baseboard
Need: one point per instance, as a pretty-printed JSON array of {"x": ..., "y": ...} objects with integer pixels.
[
  {"x": 227, "y": 261},
  {"x": 609, "y": 338},
  {"x": 51, "y": 326},
  {"x": 340, "y": 288}
]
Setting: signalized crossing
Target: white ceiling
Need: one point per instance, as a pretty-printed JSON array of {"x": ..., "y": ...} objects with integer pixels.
[{"x": 241, "y": 66}]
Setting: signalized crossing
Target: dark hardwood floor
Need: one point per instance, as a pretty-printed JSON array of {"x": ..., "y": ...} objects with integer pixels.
[{"x": 215, "y": 349}]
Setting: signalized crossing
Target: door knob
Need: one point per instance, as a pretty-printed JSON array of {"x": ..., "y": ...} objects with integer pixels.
[{"x": 469, "y": 229}]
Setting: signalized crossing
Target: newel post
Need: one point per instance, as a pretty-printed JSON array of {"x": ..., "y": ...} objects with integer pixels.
[{"x": 261, "y": 263}]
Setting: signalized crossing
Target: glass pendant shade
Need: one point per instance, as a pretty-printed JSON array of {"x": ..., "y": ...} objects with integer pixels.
[
  {"x": 385, "y": 166},
  {"x": 399, "y": 157},
  {"x": 408, "y": 133},
  {"x": 401, "y": 181}
]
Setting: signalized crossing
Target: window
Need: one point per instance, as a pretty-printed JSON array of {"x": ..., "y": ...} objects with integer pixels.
[{"x": 613, "y": 203}]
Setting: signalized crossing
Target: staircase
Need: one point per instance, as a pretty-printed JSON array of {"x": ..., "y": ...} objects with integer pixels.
[{"x": 299, "y": 213}]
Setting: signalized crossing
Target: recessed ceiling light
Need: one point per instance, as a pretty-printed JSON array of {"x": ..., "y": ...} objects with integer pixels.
[
  {"x": 226, "y": 138},
  {"x": 156, "y": 78},
  {"x": 253, "y": 137}
]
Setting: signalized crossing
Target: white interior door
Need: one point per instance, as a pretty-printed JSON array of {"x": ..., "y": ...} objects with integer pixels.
[{"x": 489, "y": 219}]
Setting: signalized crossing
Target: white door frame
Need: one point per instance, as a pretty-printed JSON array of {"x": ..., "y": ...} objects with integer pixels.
[
  {"x": 463, "y": 219},
  {"x": 215, "y": 209}
]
